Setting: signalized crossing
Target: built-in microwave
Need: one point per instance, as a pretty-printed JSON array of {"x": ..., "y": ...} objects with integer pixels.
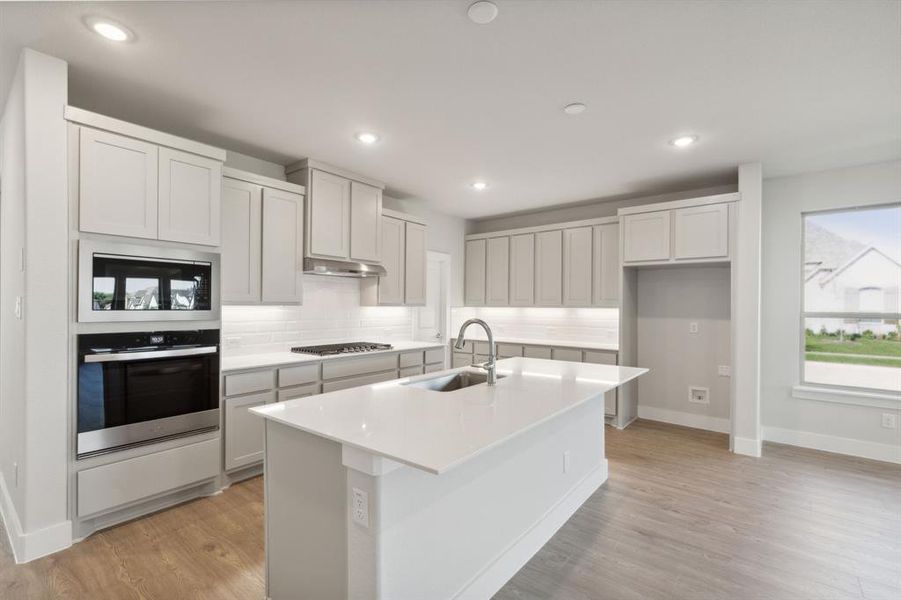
[{"x": 127, "y": 282}]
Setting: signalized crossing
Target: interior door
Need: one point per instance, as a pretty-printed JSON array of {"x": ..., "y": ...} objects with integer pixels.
[{"x": 431, "y": 319}]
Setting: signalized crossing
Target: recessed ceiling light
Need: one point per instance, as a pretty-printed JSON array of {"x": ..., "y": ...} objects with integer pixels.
[
  {"x": 109, "y": 29},
  {"x": 365, "y": 137},
  {"x": 684, "y": 141},
  {"x": 576, "y": 108},
  {"x": 482, "y": 12},
  {"x": 479, "y": 186}
]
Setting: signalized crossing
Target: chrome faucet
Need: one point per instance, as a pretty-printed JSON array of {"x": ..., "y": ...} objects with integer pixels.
[{"x": 490, "y": 365}]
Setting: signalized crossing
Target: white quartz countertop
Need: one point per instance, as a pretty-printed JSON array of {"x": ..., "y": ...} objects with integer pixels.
[
  {"x": 274, "y": 359},
  {"x": 435, "y": 431},
  {"x": 609, "y": 347}
]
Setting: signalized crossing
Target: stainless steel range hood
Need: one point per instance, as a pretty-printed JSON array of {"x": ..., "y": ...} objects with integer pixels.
[{"x": 342, "y": 268}]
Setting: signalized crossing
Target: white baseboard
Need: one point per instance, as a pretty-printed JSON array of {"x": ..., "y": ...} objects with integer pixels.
[
  {"x": 746, "y": 446},
  {"x": 831, "y": 443},
  {"x": 29, "y": 546},
  {"x": 493, "y": 577},
  {"x": 685, "y": 419}
]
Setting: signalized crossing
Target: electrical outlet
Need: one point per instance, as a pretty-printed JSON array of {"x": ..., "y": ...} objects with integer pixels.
[
  {"x": 232, "y": 341},
  {"x": 16, "y": 474},
  {"x": 18, "y": 307},
  {"x": 566, "y": 462},
  {"x": 889, "y": 421},
  {"x": 698, "y": 395},
  {"x": 724, "y": 371},
  {"x": 360, "y": 508},
  {"x": 693, "y": 327}
]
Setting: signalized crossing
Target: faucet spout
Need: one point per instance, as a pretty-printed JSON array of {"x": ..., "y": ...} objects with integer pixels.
[{"x": 490, "y": 365}]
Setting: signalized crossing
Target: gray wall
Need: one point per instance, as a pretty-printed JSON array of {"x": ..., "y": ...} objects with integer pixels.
[
  {"x": 603, "y": 207},
  {"x": 669, "y": 299},
  {"x": 784, "y": 199}
]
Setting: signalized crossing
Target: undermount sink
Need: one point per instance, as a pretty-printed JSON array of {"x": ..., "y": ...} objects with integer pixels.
[{"x": 452, "y": 381}]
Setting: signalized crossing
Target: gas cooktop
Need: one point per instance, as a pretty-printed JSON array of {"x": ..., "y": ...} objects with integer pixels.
[{"x": 329, "y": 349}]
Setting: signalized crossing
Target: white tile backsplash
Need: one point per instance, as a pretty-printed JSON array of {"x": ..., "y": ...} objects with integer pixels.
[
  {"x": 331, "y": 312},
  {"x": 598, "y": 325}
]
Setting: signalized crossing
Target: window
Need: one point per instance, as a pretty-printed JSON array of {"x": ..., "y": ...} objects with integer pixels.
[{"x": 851, "y": 301}]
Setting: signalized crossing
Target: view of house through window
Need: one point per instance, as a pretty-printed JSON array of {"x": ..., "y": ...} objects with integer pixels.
[{"x": 852, "y": 305}]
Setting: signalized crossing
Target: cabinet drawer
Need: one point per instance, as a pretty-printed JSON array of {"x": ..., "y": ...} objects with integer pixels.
[
  {"x": 600, "y": 358},
  {"x": 509, "y": 350},
  {"x": 480, "y": 347},
  {"x": 433, "y": 368},
  {"x": 410, "y": 359},
  {"x": 569, "y": 354},
  {"x": 311, "y": 389},
  {"x": 332, "y": 386},
  {"x": 410, "y": 371},
  {"x": 245, "y": 383},
  {"x": 435, "y": 355},
  {"x": 109, "y": 486},
  {"x": 358, "y": 366},
  {"x": 288, "y": 376},
  {"x": 462, "y": 360},
  {"x": 479, "y": 358},
  {"x": 536, "y": 352}
]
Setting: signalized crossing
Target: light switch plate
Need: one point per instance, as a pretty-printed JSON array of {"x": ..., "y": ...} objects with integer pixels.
[{"x": 724, "y": 371}]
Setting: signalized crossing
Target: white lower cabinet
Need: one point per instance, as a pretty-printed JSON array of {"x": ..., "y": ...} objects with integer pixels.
[{"x": 244, "y": 431}]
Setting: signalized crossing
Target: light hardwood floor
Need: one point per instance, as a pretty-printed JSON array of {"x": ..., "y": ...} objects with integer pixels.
[{"x": 680, "y": 517}]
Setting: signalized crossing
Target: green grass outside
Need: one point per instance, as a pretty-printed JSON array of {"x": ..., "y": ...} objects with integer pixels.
[{"x": 874, "y": 349}]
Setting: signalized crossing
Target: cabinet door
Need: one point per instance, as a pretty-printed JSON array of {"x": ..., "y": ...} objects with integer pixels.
[
  {"x": 701, "y": 232},
  {"x": 549, "y": 268},
  {"x": 329, "y": 215},
  {"x": 522, "y": 270},
  {"x": 242, "y": 210},
  {"x": 117, "y": 185},
  {"x": 577, "y": 266},
  {"x": 415, "y": 268},
  {"x": 605, "y": 265},
  {"x": 391, "y": 286},
  {"x": 365, "y": 222},
  {"x": 189, "y": 201},
  {"x": 243, "y": 430},
  {"x": 282, "y": 246},
  {"x": 646, "y": 236},
  {"x": 475, "y": 273},
  {"x": 497, "y": 273}
]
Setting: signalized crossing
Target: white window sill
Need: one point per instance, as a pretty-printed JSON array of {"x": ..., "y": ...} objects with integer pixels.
[{"x": 844, "y": 396}]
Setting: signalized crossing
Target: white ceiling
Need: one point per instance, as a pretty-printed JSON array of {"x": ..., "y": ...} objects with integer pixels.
[{"x": 797, "y": 85}]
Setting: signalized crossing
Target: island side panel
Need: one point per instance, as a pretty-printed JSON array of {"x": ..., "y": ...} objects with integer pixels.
[
  {"x": 464, "y": 533},
  {"x": 306, "y": 516}
]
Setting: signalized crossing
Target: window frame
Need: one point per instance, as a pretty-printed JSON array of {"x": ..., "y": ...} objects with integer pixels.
[{"x": 804, "y": 315}]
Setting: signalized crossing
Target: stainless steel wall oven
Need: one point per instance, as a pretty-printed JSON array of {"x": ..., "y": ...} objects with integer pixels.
[{"x": 135, "y": 388}]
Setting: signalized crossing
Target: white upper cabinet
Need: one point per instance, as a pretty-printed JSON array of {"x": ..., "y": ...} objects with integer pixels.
[
  {"x": 577, "y": 262},
  {"x": 262, "y": 240},
  {"x": 497, "y": 274},
  {"x": 522, "y": 270},
  {"x": 646, "y": 236},
  {"x": 474, "y": 284},
  {"x": 189, "y": 202},
  {"x": 242, "y": 209},
  {"x": 365, "y": 222},
  {"x": 282, "y": 236},
  {"x": 117, "y": 184},
  {"x": 605, "y": 265},
  {"x": 415, "y": 267},
  {"x": 391, "y": 287},
  {"x": 701, "y": 232},
  {"x": 328, "y": 215},
  {"x": 403, "y": 249},
  {"x": 549, "y": 268}
]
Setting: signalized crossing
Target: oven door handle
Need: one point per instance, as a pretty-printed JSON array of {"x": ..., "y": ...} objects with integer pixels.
[{"x": 151, "y": 354}]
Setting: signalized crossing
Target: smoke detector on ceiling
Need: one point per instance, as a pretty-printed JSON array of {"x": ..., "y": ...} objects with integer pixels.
[{"x": 482, "y": 12}]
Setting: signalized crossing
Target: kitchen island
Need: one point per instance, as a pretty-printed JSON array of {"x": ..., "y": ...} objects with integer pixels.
[{"x": 398, "y": 491}]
